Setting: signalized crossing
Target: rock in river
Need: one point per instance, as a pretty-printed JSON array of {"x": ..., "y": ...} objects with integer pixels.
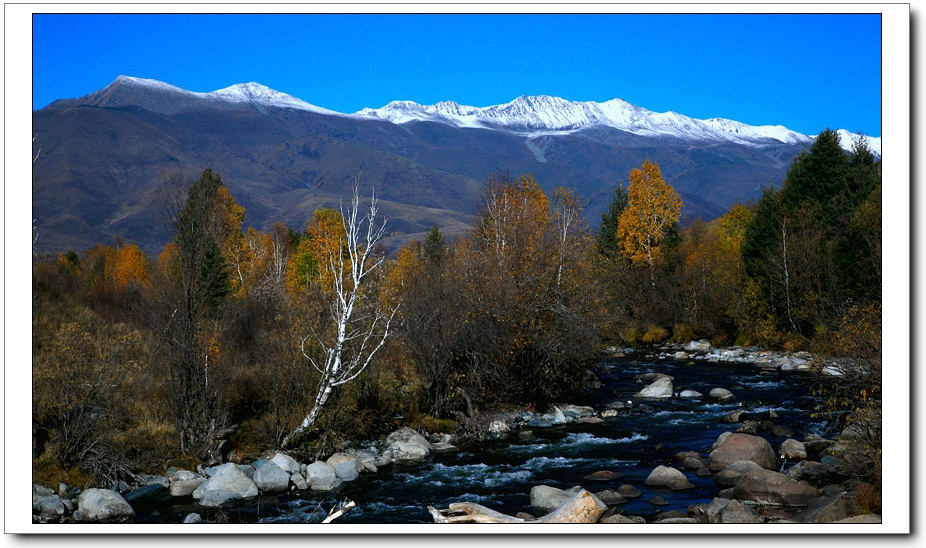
[
  {"x": 742, "y": 447},
  {"x": 772, "y": 487},
  {"x": 661, "y": 388},
  {"x": 664, "y": 476},
  {"x": 103, "y": 505},
  {"x": 406, "y": 446}
]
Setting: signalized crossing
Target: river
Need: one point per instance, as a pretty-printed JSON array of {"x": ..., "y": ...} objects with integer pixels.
[{"x": 500, "y": 474}]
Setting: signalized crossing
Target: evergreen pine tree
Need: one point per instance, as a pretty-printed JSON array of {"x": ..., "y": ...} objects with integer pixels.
[{"x": 606, "y": 239}]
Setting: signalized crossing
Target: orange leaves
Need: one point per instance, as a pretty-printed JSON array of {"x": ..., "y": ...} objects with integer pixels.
[
  {"x": 318, "y": 255},
  {"x": 652, "y": 207},
  {"x": 131, "y": 267}
]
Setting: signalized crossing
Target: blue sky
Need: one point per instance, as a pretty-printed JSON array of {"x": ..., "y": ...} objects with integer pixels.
[{"x": 805, "y": 72}]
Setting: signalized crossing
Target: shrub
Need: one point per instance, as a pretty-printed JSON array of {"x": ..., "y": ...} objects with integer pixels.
[
  {"x": 682, "y": 333},
  {"x": 655, "y": 334}
]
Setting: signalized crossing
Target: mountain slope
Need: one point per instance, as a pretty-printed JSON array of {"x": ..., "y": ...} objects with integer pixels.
[{"x": 103, "y": 157}]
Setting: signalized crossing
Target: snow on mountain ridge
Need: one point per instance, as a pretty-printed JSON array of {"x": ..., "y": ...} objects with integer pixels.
[
  {"x": 546, "y": 115},
  {"x": 529, "y": 115},
  {"x": 252, "y": 93}
]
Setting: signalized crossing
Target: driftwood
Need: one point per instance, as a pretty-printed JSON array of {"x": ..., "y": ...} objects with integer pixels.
[
  {"x": 582, "y": 508},
  {"x": 339, "y": 511}
]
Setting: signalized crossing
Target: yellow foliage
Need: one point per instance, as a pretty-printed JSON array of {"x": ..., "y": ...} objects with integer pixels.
[
  {"x": 131, "y": 266},
  {"x": 652, "y": 207}
]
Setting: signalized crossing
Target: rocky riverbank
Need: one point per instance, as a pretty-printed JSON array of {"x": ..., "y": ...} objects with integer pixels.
[{"x": 800, "y": 478}]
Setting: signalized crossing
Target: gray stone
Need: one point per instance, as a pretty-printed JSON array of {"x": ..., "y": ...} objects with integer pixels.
[
  {"x": 228, "y": 477},
  {"x": 721, "y": 395},
  {"x": 153, "y": 494},
  {"x": 734, "y": 416},
  {"x": 193, "y": 518},
  {"x": 602, "y": 475},
  {"x": 589, "y": 420},
  {"x": 629, "y": 491},
  {"x": 661, "y": 388},
  {"x": 406, "y": 446},
  {"x": 538, "y": 423},
  {"x": 664, "y": 476},
  {"x": 342, "y": 457},
  {"x": 720, "y": 439},
  {"x": 611, "y": 497},
  {"x": 618, "y": 518},
  {"x": 771, "y": 487},
  {"x": 247, "y": 469},
  {"x": 748, "y": 427},
  {"x": 185, "y": 488},
  {"x": 321, "y": 476},
  {"x": 826, "y": 509},
  {"x": 104, "y": 506},
  {"x": 690, "y": 394},
  {"x": 742, "y": 447},
  {"x": 555, "y": 416},
  {"x": 345, "y": 470},
  {"x": 545, "y": 499},
  {"x": 219, "y": 498},
  {"x": 286, "y": 462},
  {"x": 680, "y": 355},
  {"x": 576, "y": 411},
  {"x": 442, "y": 448},
  {"x": 677, "y": 520},
  {"x": 732, "y": 473},
  {"x": 792, "y": 449},
  {"x": 701, "y": 347},
  {"x": 691, "y": 463},
  {"x": 271, "y": 478},
  {"x": 299, "y": 482},
  {"x": 658, "y": 501},
  {"x": 183, "y": 475},
  {"x": 731, "y": 511},
  {"x": 782, "y": 431}
]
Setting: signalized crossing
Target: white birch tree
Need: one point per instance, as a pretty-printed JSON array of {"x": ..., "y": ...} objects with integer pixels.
[{"x": 357, "y": 336}]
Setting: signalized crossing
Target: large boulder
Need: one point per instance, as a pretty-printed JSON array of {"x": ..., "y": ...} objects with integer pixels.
[
  {"x": 742, "y": 447},
  {"x": 346, "y": 466},
  {"x": 219, "y": 498},
  {"x": 228, "y": 477},
  {"x": 270, "y": 478},
  {"x": 731, "y": 511},
  {"x": 771, "y": 487},
  {"x": 545, "y": 499},
  {"x": 406, "y": 446},
  {"x": 147, "y": 496},
  {"x": 826, "y": 509},
  {"x": 701, "y": 347},
  {"x": 321, "y": 476},
  {"x": 287, "y": 463},
  {"x": 664, "y": 476},
  {"x": 104, "y": 506},
  {"x": 185, "y": 488},
  {"x": 733, "y": 472},
  {"x": 792, "y": 449},
  {"x": 661, "y": 388}
]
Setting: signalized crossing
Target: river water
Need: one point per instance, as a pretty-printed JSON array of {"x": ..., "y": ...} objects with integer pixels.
[{"x": 500, "y": 474}]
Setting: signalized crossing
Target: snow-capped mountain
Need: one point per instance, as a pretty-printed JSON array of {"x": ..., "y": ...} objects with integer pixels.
[
  {"x": 528, "y": 116},
  {"x": 165, "y": 98},
  {"x": 535, "y": 116},
  {"x": 102, "y": 157}
]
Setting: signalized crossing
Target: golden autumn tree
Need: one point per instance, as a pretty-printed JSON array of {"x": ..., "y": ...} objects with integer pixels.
[
  {"x": 131, "y": 267},
  {"x": 323, "y": 243},
  {"x": 229, "y": 217},
  {"x": 653, "y": 207}
]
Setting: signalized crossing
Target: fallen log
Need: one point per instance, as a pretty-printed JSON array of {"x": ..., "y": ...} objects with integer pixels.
[
  {"x": 582, "y": 508},
  {"x": 339, "y": 511}
]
